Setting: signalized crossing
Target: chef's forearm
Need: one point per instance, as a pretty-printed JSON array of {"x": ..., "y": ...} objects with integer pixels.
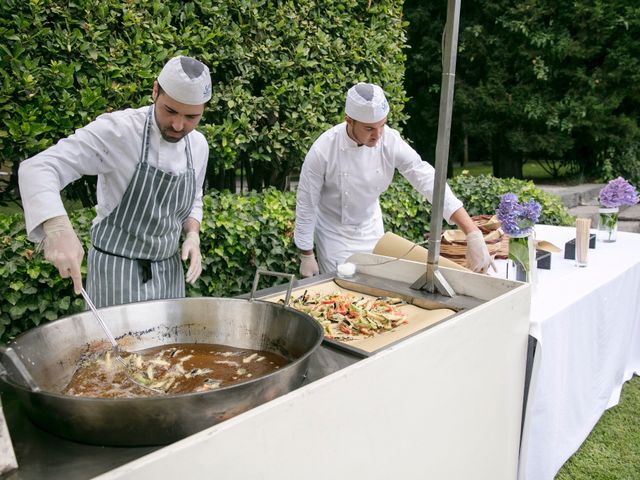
[
  {"x": 462, "y": 219},
  {"x": 303, "y": 238},
  {"x": 421, "y": 176},
  {"x": 303, "y": 228},
  {"x": 191, "y": 225},
  {"x": 41, "y": 198},
  {"x": 44, "y": 175}
]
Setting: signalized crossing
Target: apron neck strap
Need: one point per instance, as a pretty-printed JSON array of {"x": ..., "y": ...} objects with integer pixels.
[{"x": 144, "y": 153}]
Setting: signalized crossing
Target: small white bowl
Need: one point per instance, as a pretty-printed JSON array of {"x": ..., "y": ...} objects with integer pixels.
[{"x": 346, "y": 269}]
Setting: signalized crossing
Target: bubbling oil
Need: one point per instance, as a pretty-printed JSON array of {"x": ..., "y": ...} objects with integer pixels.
[{"x": 177, "y": 368}]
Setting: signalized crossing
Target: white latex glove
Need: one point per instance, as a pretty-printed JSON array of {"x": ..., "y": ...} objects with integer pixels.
[
  {"x": 477, "y": 258},
  {"x": 63, "y": 249},
  {"x": 191, "y": 250},
  {"x": 308, "y": 265}
]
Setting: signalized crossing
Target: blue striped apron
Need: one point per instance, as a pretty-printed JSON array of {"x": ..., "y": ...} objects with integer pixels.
[{"x": 135, "y": 249}]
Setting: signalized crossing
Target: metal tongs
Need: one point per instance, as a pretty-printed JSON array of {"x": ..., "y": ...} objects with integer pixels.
[{"x": 115, "y": 348}]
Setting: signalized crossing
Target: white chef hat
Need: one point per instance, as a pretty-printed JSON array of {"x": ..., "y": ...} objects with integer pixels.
[
  {"x": 186, "y": 80},
  {"x": 366, "y": 103}
]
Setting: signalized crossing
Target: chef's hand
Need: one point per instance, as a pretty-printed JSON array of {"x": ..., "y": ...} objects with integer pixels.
[
  {"x": 191, "y": 250},
  {"x": 477, "y": 257},
  {"x": 308, "y": 265},
  {"x": 63, "y": 249}
]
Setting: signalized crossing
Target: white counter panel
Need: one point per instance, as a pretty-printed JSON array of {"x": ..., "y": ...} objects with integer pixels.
[{"x": 446, "y": 403}]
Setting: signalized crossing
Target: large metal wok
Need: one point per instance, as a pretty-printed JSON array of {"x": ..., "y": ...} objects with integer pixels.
[{"x": 51, "y": 352}]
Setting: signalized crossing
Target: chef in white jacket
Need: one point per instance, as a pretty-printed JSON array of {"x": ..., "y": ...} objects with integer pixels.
[
  {"x": 344, "y": 173},
  {"x": 150, "y": 164}
]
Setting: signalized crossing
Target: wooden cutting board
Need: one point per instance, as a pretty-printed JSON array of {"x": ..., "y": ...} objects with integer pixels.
[{"x": 418, "y": 318}]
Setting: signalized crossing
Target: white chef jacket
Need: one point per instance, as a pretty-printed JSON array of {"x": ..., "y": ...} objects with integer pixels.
[
  {"x": 339, "y": 187},
  {"x": 108, "y": 147}
]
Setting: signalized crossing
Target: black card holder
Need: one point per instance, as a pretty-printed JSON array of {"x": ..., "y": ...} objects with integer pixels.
[{"x": 570, "y": 247}]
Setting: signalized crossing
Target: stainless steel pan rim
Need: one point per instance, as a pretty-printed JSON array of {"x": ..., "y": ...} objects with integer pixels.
[
  {"x": 160, "y": 419},
  {"x": 291, "y": 364}
]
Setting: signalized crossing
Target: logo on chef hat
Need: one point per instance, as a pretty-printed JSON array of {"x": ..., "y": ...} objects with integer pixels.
[{"x": 186, "y": 80}]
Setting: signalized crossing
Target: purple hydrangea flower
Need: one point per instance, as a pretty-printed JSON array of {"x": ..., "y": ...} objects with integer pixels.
[
  {"x": 531, "y": 210},
  {"x": 618, "y": 192},
  {"x": 517, "y": 219}
]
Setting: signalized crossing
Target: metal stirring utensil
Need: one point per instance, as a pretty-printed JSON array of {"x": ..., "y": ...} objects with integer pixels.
[{"x": 115, "y": 348}]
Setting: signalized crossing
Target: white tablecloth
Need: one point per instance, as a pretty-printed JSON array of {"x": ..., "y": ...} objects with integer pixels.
[{"x": 587, "y": 324}]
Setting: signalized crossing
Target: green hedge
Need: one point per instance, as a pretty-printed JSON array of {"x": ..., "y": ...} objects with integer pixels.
[
  {"x": 408, "y": 214},
  {"x": 242, "y": 233},
  {"x": 239, "y": 234},
  {"x": 481, "y": 194},
  {"x": 32, "y": 289},
  {"x": 280, "y": 70}
]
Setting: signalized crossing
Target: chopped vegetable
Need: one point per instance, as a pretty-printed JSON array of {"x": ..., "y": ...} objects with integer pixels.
[
  {"x": 249, "y": 358},
  {"x": 343, "y": 315}
]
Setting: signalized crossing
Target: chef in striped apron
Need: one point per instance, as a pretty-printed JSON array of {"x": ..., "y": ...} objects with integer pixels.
[{"x": 150, "y": 164}]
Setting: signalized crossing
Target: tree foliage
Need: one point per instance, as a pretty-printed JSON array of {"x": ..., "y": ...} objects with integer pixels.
[{"x": 536, "y": 80}]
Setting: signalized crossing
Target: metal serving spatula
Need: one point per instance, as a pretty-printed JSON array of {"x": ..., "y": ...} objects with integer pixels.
[{"x": 115, "y": 348}]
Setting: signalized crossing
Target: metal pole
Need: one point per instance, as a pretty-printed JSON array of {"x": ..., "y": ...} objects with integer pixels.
[{"x": 433, "y": 280}]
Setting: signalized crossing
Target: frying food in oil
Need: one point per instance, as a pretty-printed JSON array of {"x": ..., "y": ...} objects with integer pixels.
[{"x": 172, "y": 369}]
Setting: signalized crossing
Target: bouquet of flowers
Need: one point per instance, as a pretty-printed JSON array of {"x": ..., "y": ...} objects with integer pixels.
[
  {"x": 518, "y": 220},
  {"x": 616, "y": 193}
]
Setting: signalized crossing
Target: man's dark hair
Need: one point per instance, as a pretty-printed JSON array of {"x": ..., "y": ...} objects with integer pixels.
[{"x": 161, "y": 91}]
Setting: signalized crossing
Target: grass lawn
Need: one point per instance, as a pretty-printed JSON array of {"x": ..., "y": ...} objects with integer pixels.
[{"x": 612, "y": 450}]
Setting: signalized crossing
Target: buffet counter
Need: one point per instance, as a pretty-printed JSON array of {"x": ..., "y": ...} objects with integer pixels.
[
  {"x": 587, "y": 325},
  {"x": 452, "y": 391},
  {"x": 443, "y": 402}
]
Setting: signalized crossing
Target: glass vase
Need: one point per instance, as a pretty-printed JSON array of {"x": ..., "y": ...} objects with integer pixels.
[
  {"x": 522, "y": 258},
  {"x": 607, "y": 224}
]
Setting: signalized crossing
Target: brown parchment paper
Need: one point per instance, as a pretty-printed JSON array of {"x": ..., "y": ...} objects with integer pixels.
[
  {"x": 392, "y": 245},
  {"x": 418, "y": 318}
]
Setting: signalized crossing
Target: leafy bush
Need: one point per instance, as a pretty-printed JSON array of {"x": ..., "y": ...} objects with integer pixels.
[
  {"x": 408, "y": 214},
  {"x": 33, "y": 291},
  {"x": 481, "y": 195},
  {"x": 404, "y": 211},
  {"x": 280, "y": 71},
  {"x": 239, "y": 235},
  {"x": 622, "y": 162}
]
